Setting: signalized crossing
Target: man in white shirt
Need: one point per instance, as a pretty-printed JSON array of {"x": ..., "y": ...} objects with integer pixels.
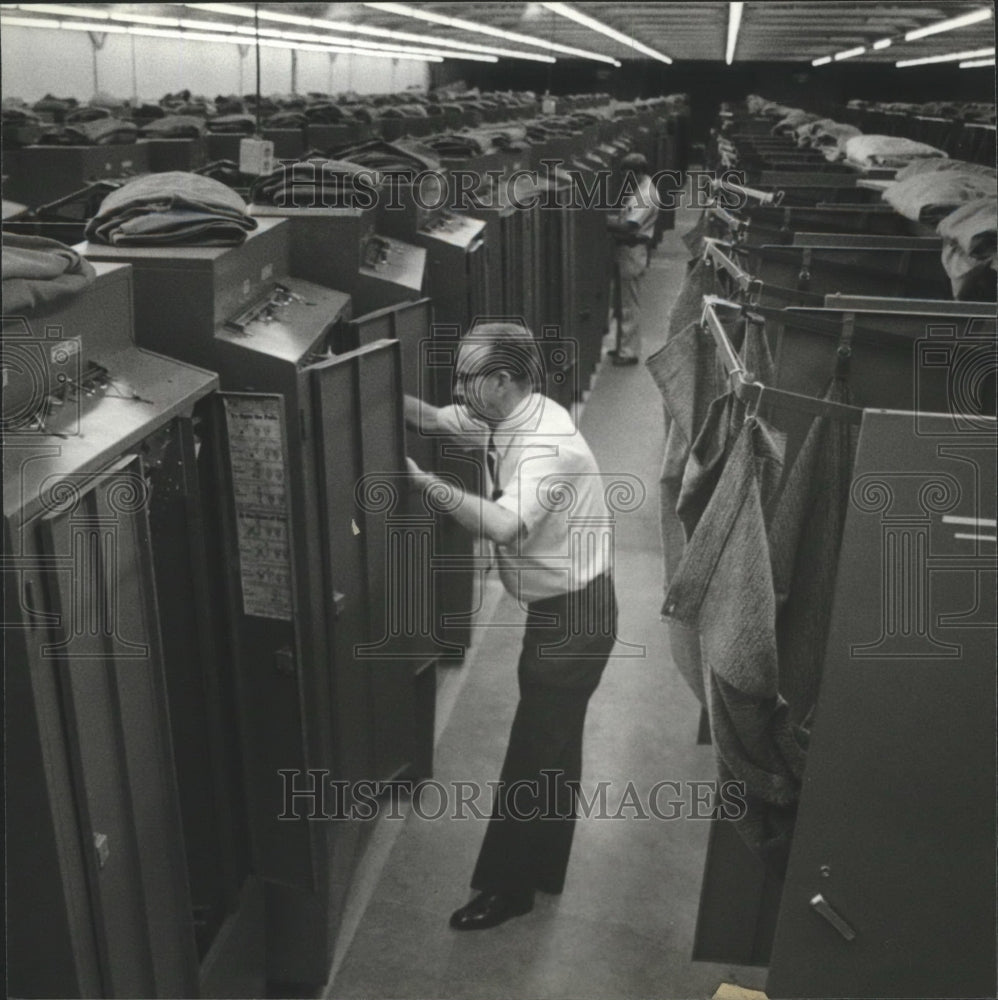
[
  {"x": 547, "y": 516},
  {"x": 633, "y": 230}
]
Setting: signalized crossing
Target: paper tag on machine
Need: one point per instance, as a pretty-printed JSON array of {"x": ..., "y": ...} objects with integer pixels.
[{"x": 256, "y": 156}]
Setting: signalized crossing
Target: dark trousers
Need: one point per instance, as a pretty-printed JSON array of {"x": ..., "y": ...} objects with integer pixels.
[{"x": 566, "y": 645}]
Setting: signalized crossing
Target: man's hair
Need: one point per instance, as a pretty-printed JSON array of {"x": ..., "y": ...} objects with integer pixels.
[{"x": 511, "y": 348}]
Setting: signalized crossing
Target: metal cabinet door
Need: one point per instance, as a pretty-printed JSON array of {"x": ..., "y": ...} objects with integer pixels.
[
  {"x": 359, "y": 417},
  {"x": 890, "y": 891},
  {"x": 256, "y": 474},
  {"x": 428, "y": 360},
  {"x": 53, "y": 944},
  {"x": 479, "y": 291},
  {"x": 197, "y": 678},
  {"x": 96, "y": 540}
]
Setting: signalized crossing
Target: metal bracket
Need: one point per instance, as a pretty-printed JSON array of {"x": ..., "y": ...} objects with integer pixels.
[{"x": 821, "y": 906}]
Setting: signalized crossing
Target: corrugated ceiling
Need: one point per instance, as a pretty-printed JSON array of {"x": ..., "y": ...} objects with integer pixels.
[{"x": 771, "y": 31}]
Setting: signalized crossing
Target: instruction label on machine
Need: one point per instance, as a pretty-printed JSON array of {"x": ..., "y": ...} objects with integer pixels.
[{"x": 259, "y": 478}]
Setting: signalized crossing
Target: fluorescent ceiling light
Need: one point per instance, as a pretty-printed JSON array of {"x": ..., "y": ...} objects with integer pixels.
[
  {"x": 884, "y": 43},
  {"x": 950, "y": 57},
  {"x": 167, "y": 22},
  {"x": 72, "y": 10},
  {"x": 984, "y": 14},
  {"x": 26, "y": 22},
  {"x": 366, "y": 29},
  {"x": 823, "y": 61},
  {"x": 483, "y": 29},
  {"x": 975, "y": 63},
  {"x": 377, "y": 46},
  {"x": 849, "y": 53},
  {"x": 590, "y": 22},
  {"x": 111, "y": 29},
  {"x": 235, "y": 29},
  {"x": 195, "y": 36},
  {"x": 734, "y": 23},
  {"x": 196, "y": 27}
]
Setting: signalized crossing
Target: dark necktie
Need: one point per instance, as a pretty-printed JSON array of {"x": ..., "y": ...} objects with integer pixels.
[{"x": 492, "y": 458}]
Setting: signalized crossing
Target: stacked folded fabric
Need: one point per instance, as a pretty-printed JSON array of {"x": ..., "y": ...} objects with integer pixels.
[
  {"x": 18, "y": 115},
  {"x": 199, "y": 108},
  {"x": 267, "y": 106},
  {"x": 231, "y": 104},
  {"x": 455, "y": 145},
  {"x": 147, "y": 112},
  {"x": 411, "y": 111},
  {"x": 830, "y": 139},
  {"x": 225, "y": 171},
  {"x": 324, "y": 113},
  {"x": 316, "y": 182},
  {"x": 941, "y": 109},
  {"x": 21, "y": 127},
  {"x": 87, "y": 114},
  {"x": 39, "y": 273},
  {"x": 505, "y": 140},
  {"x": 286, "y": 119},
  {"x": 792, "y": 120},
  {"x": 404, "y": 160},
  {"x": 929, "y": 197},
  {"x": 510, "y": 136},
  {"x": 175, "y": 208},
  {"x": 970, "y": 246},
  {"x": 174, "y": 127},
  {"x": 180, "y": 97},
  {"x": 363, "y": 113},
  {"x": 235, "y": 124},
  {"x": 102, "y": 132},
  {"x": 980, "y": 113},
  {"x": 887, "y": 150},
  {"x": 55, "y": 107},
  {"x": 934, "y": 164}
]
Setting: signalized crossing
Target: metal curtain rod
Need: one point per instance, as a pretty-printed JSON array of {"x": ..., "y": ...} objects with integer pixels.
[
  {"x": 712, "y": 249},
  {"x": 731, "y": 221},
  {"x": 921, "y": 307},
  {"x": 752, "y": 392},
  {"x": 729, "y": 356},
  {"x": 764, "y": 197}
]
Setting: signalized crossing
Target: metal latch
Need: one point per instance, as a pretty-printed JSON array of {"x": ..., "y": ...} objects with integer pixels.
[
  {"x": 821, "y": 906},
  {"x": 804, "y": 277},
  {"x": 339, "y": 603},
  {"x": 284, "y": 661},
  {"x": 102, "y": 848}
]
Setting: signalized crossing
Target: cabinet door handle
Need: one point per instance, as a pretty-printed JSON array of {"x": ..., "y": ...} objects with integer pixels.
[
  {"x": 284, "y": 662},
  {"x": 821, "y": 906}
]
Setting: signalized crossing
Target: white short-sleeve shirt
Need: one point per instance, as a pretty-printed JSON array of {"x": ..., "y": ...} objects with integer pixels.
[
  {"x": 640, "y": 206},
  {"x": 550, "y": 480}
]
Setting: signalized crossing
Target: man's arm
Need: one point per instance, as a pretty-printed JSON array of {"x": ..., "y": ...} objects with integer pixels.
[
  {"x": 420, "y": 415},
  {"x": 474, "y": 513},
  {"x": 626, "y": 227}
]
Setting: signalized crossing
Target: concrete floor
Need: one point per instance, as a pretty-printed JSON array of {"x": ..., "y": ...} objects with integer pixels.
[{"x": 624, "y": 926}]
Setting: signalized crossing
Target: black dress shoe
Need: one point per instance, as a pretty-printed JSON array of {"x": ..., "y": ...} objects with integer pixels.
[{"x": 489, "y": 909}]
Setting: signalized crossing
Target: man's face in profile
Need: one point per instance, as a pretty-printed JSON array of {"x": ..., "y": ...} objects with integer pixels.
[{"x": 478, "y": 382}]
